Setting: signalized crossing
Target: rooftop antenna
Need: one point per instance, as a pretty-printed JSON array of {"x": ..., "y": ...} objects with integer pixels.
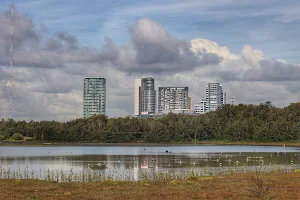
[
  {"x": 232, "y": 100},
  {"x": 11, "y": 56}
]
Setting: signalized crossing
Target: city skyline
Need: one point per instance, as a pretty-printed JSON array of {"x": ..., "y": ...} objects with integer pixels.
[
  {"x": 250, "y": 47},
  {"x": 173, "y": 99}
]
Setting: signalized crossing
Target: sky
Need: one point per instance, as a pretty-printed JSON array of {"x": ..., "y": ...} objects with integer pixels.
[{"x": 250, "y": 46}]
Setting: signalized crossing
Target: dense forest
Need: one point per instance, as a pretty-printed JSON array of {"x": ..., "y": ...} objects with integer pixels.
[{"x": 261, "y": 123}]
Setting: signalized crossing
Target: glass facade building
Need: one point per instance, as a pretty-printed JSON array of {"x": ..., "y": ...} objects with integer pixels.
[
  {"x": 148, "y": 95},
  {"x": 94, "y": 97}
]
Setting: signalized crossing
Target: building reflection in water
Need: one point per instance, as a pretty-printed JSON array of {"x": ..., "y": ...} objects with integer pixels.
[{"x": 132, "y": 165}]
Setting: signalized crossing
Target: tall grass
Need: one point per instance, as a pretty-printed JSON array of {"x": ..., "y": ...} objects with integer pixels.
[{"x": 90, "y": 175}]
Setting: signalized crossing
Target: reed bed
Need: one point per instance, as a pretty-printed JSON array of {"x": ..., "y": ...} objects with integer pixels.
[{"x": 90, "y": 175}]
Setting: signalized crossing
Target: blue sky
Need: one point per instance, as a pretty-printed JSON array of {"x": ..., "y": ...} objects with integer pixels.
[{"x": 269, "y": 25}]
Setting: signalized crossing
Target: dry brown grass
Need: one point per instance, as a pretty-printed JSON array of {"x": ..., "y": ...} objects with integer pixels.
[{"x": 235, "y": 186}]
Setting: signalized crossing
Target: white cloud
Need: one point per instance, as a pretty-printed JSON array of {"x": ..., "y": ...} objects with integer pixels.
[
  {"x": 251, "y": 56},
  {"x": 205, "y": 45}
]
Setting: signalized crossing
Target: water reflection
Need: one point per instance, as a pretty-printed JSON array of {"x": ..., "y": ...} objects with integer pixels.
[{"x": 133, "y": 160}]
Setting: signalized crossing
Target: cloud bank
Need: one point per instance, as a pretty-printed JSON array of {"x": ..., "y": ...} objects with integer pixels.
[{"x": 49, "y": 69}]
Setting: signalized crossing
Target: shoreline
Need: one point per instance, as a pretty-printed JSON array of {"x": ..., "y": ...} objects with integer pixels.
[{"x": 244, "y": 143}]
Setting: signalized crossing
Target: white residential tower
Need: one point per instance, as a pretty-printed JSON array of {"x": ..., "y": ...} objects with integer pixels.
[
  {"x": 215, "y": 97},
  {"x": 173, "y": 100}
]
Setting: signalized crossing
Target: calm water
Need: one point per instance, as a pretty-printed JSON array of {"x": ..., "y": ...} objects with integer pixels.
[{"x": 135, "y": 159}]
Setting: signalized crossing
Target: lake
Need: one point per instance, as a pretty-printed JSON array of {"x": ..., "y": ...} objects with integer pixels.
[{"x": 132, "y": 162}]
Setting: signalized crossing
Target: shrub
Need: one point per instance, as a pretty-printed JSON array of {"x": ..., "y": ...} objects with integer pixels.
[
  {"x": 2, "y": 137},
  {"x": 17, "y": 136},
  {"x": 260, "y": 190}
]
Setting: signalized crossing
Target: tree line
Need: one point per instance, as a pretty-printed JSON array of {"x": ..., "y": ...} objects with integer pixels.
[{"x": 260, "y": 123}]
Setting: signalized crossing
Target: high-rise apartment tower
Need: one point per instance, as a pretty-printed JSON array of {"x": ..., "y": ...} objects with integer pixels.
[
  {"x": 215, "y": 96},
  {"x": 148, "y": 95},
  {"x": 94, "y": 97},
  {"x": 173, "y": 99},
  {"x": 144, "y": 96}
]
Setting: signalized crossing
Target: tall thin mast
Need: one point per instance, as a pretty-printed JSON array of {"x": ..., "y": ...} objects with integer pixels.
[{"x": 11, "y": 57}]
